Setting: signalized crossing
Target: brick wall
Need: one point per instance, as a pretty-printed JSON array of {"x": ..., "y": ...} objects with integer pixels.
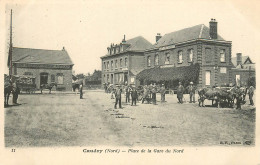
[{"x": 245, "y": 74}]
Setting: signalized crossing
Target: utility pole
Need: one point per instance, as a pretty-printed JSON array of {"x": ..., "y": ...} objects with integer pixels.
[{"x": 11, "y": 48}]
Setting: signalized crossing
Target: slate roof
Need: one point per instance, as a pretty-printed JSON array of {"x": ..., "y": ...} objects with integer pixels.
[
  {"x": 191, "y": 33},
  {"x": 41, "y": 56},
  {"x": 138, "y": 44}
]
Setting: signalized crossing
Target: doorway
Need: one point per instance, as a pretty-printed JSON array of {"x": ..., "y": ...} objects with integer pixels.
[
  {"x": 43, "y": 78},
  {"x": 207, "y": 77}
]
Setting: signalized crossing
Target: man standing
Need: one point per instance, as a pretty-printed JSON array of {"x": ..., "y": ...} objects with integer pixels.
[
  {"x": 162, "y": 91},
  {"x": 251, "y": 94},
  {"x": 154, "y": 90},
  {"x": 118, "y": 96},
  {"x": 180, "y": 91},
  {"x": 134, "y": 96},
  {"x": 238, "y": 97},
  {"x": 81, "y": 90},
  {"x": 127, "y": 94},
  {"x": 16, "y": 91},
  {"x": 191, "y": 90}
]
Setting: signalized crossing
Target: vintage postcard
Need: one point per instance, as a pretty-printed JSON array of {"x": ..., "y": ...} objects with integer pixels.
[{"x": 129, "y": 82}]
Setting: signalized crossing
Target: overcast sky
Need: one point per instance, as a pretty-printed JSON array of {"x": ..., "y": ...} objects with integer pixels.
[{"x": 87, "y": 28}]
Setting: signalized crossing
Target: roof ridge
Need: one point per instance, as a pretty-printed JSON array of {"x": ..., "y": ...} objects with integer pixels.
[
  {"x": 38, "y": 49},
  {"x": 185, "y": 28}
]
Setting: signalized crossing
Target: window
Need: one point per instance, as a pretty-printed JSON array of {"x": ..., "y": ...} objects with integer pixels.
[
  {"x": 105, "y": 65},
  {"x": 52, "y": 78},
  {"x": 126, "y": 62},
  {"x": 60, "y": 78},
  {"x": 223, "y": 70},
  {"x": 108, "y": 65},
  {"x": 180, "y": 57},
  {"x": 167, "y": 58},
  {"x": 207, "y": 77},
  {"x": 122, "y": 48},
  {"x": 112, "y": 65},
  {"x": 208, "y": 55},
  {"x": 156, "y": 60},
  {"x": 222, "y": 55},
  {"x": 116, "y": 64},
  {"x": 149, "y": 61},
  {"x": 121, "y": 63},
  {"x": 190, "y": 55}
]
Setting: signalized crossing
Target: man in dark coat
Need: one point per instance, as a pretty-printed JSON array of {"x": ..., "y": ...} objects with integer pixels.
[
  {"x": 191, "y": 90},
  {"x": 127, "y": 94},
  {"x": 180, "y": 91},
  {"x": 81, "y": 90},
  {"x": 134, "y": 96},
  {"x": 118, "y": 93},
  {"x": 16, "y": 92},
  {"x": 154, "y": 91},
  {"x": 239, "y": 97},
  {"x": 163, "y": 91}
]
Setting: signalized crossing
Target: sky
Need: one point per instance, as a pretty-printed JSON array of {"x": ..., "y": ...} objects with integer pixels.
[{"x": 86, "y": 28}]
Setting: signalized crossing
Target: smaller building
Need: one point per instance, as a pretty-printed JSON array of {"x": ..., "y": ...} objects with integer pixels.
[
  {"x": 243, "y": 70},
  {"x": 47, "y": 66},
  {"x": 124, "y": 61}
]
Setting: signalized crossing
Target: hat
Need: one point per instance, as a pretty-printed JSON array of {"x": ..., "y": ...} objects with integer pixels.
[
  {"x": 191, "y": 83},
  {"x": 162, "y": 84}
]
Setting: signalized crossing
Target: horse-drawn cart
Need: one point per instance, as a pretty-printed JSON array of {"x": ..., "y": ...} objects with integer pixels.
[{"x": 26, "y": 83}]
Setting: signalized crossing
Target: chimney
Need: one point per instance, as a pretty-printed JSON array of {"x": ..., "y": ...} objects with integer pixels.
[
  {"x": 158, "y": 36},
  {"x": 63, "y": 49},
  {"x": 213, "y": 29},
  {"x": 239, "y": 58},
  {"x": 124, "y": 41}
]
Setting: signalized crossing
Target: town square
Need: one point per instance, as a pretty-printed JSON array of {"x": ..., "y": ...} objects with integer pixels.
[{"x": 81, "y": 76}]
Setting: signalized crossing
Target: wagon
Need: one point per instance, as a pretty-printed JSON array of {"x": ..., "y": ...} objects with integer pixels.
[{"x": 26, "y": 83}]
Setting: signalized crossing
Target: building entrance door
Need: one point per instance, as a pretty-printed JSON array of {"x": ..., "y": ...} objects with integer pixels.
[{"x": 43, "y": 78}]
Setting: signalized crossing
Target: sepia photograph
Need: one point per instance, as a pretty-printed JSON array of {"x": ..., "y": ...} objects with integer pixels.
[{"x": 131, "y": 75}]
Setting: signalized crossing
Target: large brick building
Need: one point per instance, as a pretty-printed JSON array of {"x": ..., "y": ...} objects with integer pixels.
[
  {"x": 45, "y": 65},
  {"x": 194, "y": 45},
  {"x": 123, "y": 61}
]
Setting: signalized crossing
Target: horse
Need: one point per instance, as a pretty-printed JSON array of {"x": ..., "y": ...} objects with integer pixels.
[
  {"x": 75, "y": 86},
  {"x": 210, "y": 94},
  {"x": 227, "y": 96},
  {"x": 48, "y": 86},
  {"x": 7, "y": 91}
]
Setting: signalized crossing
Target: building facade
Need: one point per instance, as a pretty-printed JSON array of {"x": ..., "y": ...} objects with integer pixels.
[
  {"x": 123, "y": 61},
  {"x": 195, "y": 45},
  {"x": 243, "y": 70},
  {"x": 47, "y": 66}
]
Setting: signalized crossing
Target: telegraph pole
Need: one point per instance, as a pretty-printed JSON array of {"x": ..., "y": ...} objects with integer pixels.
[{"x": 11, "y": 47}]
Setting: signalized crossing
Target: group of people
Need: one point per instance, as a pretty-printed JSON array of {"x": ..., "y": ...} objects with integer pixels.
[
  {"x": 128, "y": 91},
  {"x": 148, "y": 93},
  {"x": 191, "y": 91}
]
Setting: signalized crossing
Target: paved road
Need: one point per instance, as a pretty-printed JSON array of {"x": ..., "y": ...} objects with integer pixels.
[{"x": 65, "y": 120}]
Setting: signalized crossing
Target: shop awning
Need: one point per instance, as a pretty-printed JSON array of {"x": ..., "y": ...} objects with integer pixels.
[{"x": 183, "y": 73}]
